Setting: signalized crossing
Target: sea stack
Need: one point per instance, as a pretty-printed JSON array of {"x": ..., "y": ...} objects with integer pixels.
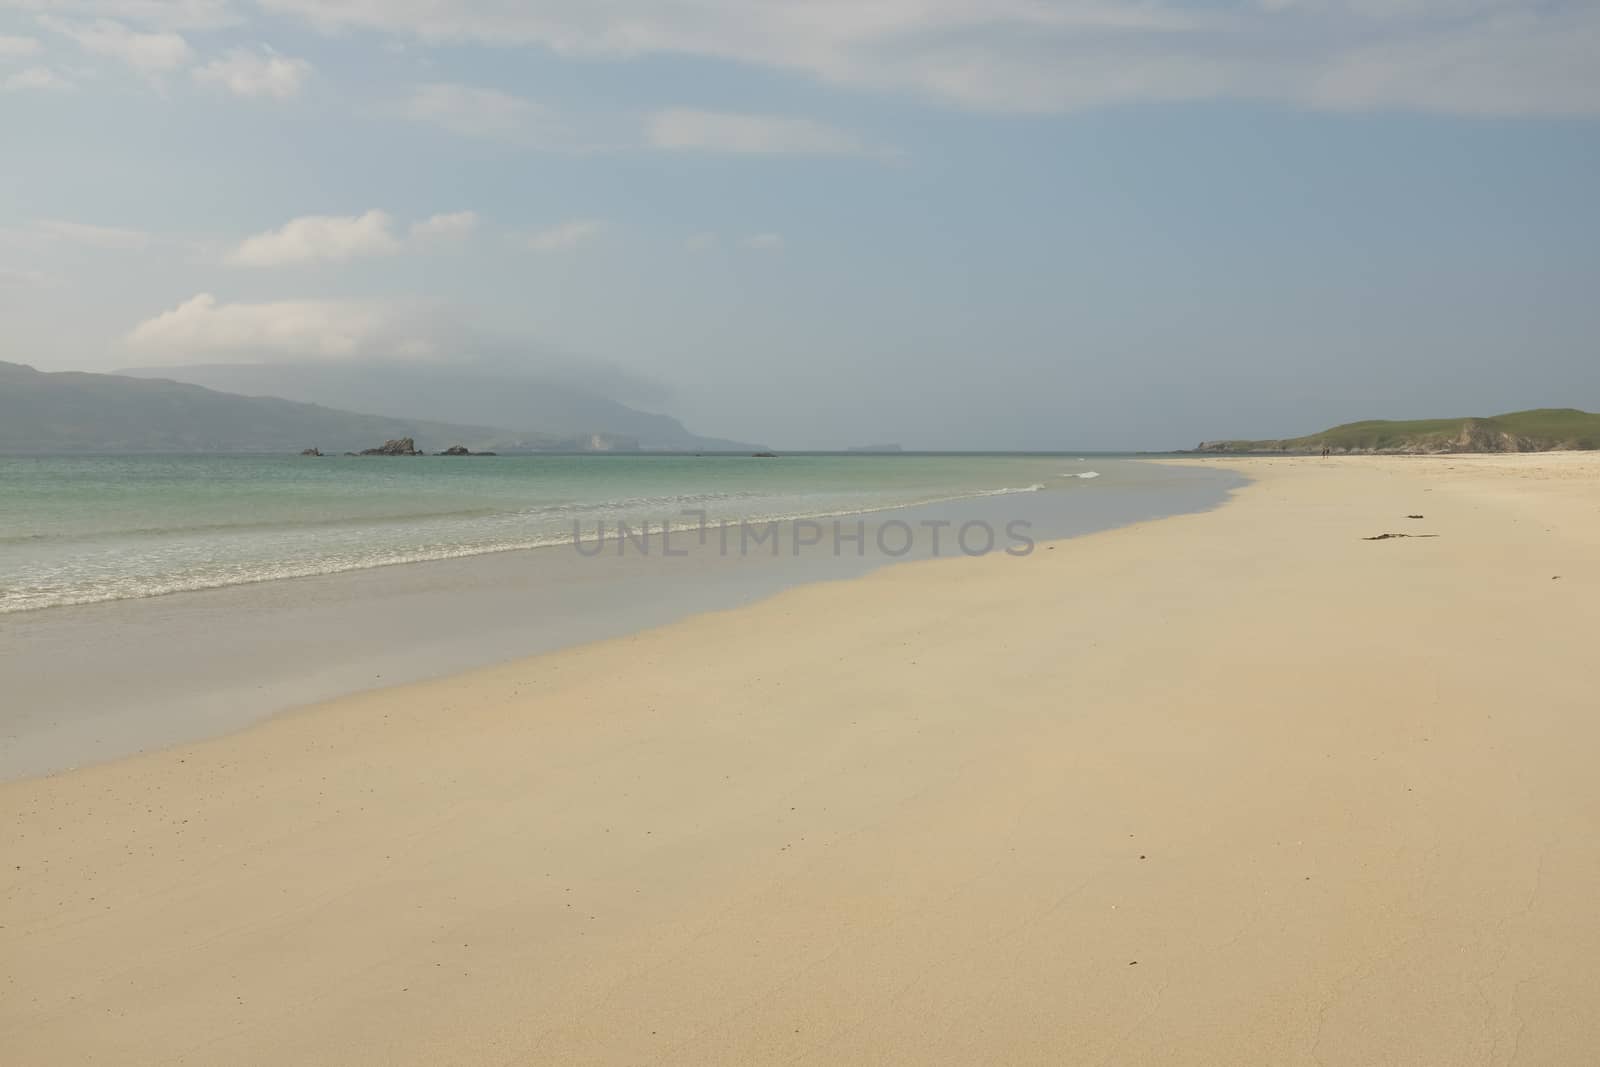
[{"x": 400, "y": 446}]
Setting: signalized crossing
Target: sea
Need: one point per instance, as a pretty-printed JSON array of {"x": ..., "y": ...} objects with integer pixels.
[
  {"x": 152, "y": 600},
  {"x": 83, "y": 529}
]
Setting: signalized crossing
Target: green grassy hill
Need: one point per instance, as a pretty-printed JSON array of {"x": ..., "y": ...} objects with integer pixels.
[{"x": 1540, "y": 430}]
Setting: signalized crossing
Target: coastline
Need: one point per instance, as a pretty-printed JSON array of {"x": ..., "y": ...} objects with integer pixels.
[
  {"x": 1234, "y": 786},
  {"x": 86, "y": 530},
  {"x": 198, "y": 663}
]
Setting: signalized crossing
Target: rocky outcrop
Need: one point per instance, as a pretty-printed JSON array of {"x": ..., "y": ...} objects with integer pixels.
[
  {"x": 400, "y": 446},
  {"x": 461, "y": 450},
  {"x": 311, "y": 452}
]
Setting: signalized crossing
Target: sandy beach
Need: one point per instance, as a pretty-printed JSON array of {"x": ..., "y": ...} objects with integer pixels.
[{"x": 1236, "y": 787}]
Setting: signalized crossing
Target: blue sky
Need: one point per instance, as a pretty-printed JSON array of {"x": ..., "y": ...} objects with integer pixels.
[{"x": 1013, "y": 224}]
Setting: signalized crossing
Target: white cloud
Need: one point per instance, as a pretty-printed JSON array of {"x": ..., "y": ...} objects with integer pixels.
[
  {"x": 340, "y": 238},
  {"x": 80, "y": 233},
  {"x": 476, "y": 112},
  {"x": 1513, "y": 63},
  {"x": 566, "y": 236},
  {"x": 201, "y": 328},
  {"x": 1462, "y": 56},
  {"x": 35, "y": 78},
  {"x": 445, "y": 227},
  {"x": 11, "y": 47},
  {"x": 314, "y": 238},
  {"x": 683, "y": 129},
  {"x": 150, "y": 54},
  {"x": 764, "y": 242},
  {"x": 244, "y": 72}
]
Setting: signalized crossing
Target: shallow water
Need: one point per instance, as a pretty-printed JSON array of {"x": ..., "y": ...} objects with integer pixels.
[
  {"x": 96, "y": 681},
  {"x": 77, "y": 530}
]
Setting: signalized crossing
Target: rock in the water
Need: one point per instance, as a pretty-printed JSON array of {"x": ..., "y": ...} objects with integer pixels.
[
  {"x": 311, "y": 452},
  {"x": 400, "y": 446}
]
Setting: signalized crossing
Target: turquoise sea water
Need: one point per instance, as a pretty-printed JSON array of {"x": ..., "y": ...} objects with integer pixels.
[{"x": 77, "y": 530}]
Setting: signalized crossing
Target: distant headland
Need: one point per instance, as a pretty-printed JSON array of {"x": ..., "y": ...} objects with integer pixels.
[
  {"x": 66, "y": 412},
  {"x": 1540, "y": 430}
]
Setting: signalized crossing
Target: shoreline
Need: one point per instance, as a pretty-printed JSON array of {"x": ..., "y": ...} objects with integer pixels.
[
  {"x": 517, "y": 522},
  {"x": 201, "y": 663},
  {"x": 1232, "y": 786},
  {"x": 652, "y": 531}
]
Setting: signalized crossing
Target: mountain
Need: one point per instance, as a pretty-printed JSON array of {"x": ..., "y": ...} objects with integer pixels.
[
  {"x": 480, "y": 394},
  {"x": 1540, "y": 430},
  {"x": 76, "y": 412}
]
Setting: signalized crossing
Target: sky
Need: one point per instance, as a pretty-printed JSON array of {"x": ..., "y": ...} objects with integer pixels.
[{"x": 987, "y": 224}]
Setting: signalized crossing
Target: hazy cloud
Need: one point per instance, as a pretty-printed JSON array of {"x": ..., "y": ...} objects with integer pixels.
[
  {"x": 19, "y": 278},
  {"x": 1477, "y": 57},
  {"x": 147, "y": 53},
  {"x": 339, "y": 238},
  {"x": 472, "y": 111},
  {"x": 11, "y": 47},
  {"x": 764, "y": 242},
  {"x": 35, "y": 78},
  {"x": 567, "y": 235},
  {"x": 319, "y": 238},
  {"x": 445, "y": 227},
  {"x": 91, "y": 236},
  {"x": 684, "y": 129},
  {"x": 262, "y": 72},
  {"x": 167, "y": 14},
  {"x": 206, "y": 330},
  {"x": 1510, "y": 63},
  {"x": 1461, "y": 56},
  {"x": 202, "y": 329}
]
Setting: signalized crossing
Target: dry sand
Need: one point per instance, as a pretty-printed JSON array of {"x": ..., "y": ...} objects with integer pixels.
[{"x": 1230, "y": 788}]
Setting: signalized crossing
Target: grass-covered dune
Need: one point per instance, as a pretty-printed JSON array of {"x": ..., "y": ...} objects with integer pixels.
[{"x": 1540, "y": 430}]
